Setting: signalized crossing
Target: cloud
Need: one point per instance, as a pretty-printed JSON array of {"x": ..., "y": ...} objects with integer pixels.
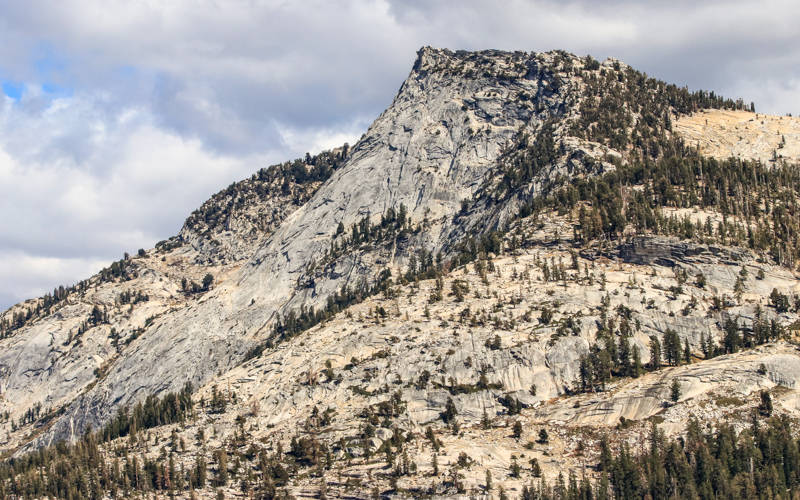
[
  {"x": 79, "y": 188},
  {"x": 26, "y": 276},
  {"x": 224, "y": 73},
  {"x": 119, "y": 118}
]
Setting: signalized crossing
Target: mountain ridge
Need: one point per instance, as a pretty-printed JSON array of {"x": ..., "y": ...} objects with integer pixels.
[{"x": 539, "y": 125}]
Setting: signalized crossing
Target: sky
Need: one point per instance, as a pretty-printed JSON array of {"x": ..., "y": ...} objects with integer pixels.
[{"x": 120, "y": 117}]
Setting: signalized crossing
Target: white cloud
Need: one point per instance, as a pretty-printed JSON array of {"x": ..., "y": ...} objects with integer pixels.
[
  {"x": 129, "y": 185},
  {"x": 26, "y": 276},
  {"x": 159, "y": 104}
]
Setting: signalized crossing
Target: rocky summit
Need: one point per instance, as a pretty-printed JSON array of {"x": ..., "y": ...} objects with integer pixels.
[{"x": 536, "y": 274}]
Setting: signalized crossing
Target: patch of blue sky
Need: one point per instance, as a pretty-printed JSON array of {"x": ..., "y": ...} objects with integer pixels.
[
  {"x": 50, "y": 66},
  {"x": 126, "y": 71},
  {"x": 55, "y": 91},
  {"x": 48, "y": 63},
  {"x": 13, "y": 90},
  {"x": 48, "y": 90},
  {"x": 50, "y": 69}
]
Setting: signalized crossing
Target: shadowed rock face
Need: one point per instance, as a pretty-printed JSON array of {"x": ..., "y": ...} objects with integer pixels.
[
  {"x": 669, "y": 251},
  {"x": 432, "y": 148}
]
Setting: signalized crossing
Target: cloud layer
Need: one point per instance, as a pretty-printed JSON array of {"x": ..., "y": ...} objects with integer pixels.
[{"x": 121, "y": 117}]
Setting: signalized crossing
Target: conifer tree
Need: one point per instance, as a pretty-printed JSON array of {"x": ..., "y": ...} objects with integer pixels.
[
  {"x": 655, "y": 353},
  {"x": 675, "y": 390}
]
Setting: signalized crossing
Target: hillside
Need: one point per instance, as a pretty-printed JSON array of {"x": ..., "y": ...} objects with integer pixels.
[
  {"x": 723, "y": 134},
  {"x": 518, "y": 239},
  {"x": 325, "y": 383}
]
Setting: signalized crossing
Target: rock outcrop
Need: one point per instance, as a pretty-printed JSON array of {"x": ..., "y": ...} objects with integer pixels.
[
  {"x": 668, "y": 252},
  {"x": 724, "y": 134}
]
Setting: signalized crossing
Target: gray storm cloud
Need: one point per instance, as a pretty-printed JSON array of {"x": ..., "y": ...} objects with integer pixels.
[{"x": 133, "y": 113}]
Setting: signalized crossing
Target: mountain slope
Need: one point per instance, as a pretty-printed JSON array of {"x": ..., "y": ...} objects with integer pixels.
[
  {"x": 523, "y": 269},
  {"x": 400, "y": 161},
  {"x": 471, "y": 141},
  {"x": 723, "y": 134},
  {"x": 361, "y": 402},
  {"x": 57, "y": 346}
]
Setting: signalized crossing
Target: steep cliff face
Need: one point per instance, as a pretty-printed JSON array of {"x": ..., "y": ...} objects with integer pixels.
[{"x": 432, "y": 148}]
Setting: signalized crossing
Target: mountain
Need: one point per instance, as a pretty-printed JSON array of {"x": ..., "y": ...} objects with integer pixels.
[{"x": 513, "y": 240}]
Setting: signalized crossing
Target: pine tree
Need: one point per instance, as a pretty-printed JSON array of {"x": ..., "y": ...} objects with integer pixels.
[
  {"x": 732, "y": 339},
  {"x": 603, "y": 487},
  {"x": 637, "y": 362},
  {"x": 502, "y": 493},
  {"x": 625, "y": 355},
  {"x": 543, "y": 436},
  {"x": 222, "y": 464},
  {"x": 655, "y": 353},
  {"x": 450, "y": 411},
  {"x": 675, "y": 390},
  {"x": 672, "y": 347},
  {"x": 703, "y": 346},
  {"x": 586, "y": 374},
  {"x": 517, "y": 432},
  {"x": 536, "y": 469},
  {"x": 486, "y": 424},
  {"x": 201, "y": 471},
  {"x": 765, "y": 406},
  {"x": 687, "y": 353}
]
